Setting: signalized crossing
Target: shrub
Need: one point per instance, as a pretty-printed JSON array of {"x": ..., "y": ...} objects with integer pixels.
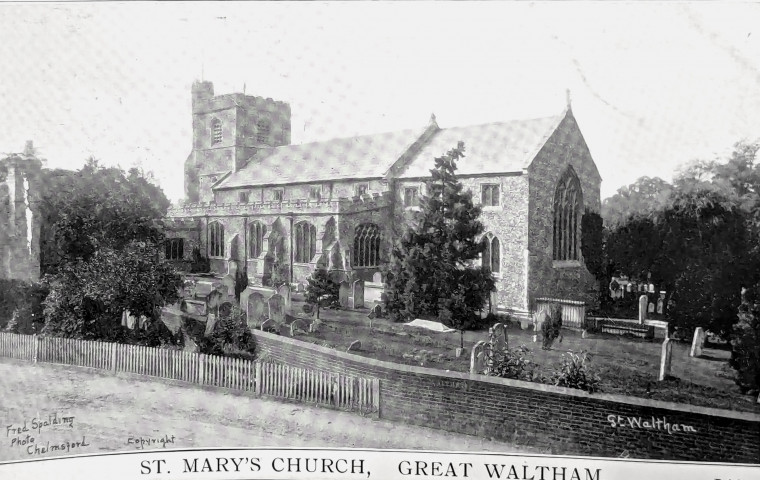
[
  {"x": 574, "y": 372},
  {"x": 22, "y": 301},
  {"x": 515, "y": 363},
  {"x": 551, "y": 328},
  {"x": 200, "y": 264},
  {"x": 230, "y": 337},
  {"x": 745, "y": 343}
]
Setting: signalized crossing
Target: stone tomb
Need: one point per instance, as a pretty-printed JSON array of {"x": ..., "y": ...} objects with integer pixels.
[{"x": 697, "y": 343}]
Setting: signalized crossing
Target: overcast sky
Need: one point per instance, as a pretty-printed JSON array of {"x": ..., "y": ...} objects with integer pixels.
[{"x": 653, "y": 85}]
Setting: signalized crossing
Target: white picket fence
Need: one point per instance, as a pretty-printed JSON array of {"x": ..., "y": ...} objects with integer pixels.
[{"x": 276, "y": 380}]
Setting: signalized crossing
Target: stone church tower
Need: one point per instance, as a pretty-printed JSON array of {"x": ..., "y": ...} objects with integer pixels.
[
  {"x": 228, "y": 130},
  {"x": 19, "y": 216}
]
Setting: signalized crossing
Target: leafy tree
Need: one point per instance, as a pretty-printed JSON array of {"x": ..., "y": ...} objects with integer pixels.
[
  {"x": 98, "y": 207},
  {"x": 321, "y": 285},
  {"x": 745, "y": 342},
  {"x": 87, "y": 298},
  {"x": 431, "y": 270},
  {"x": 640, "y": 198}
]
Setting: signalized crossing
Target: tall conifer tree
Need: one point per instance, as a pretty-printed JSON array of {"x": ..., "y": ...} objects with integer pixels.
[{"x": 432, "y": 271}]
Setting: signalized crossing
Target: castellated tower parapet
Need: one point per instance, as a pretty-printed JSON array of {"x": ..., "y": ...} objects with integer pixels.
[{"x": 227, "y": 132}]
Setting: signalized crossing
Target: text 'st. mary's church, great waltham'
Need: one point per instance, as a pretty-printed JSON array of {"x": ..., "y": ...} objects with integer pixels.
[{"x": 253, "y": 200}]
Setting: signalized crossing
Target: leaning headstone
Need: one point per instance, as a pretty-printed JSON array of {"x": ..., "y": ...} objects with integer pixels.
[
  {"x": 358, "y": 294},
  {"x": 210, "y": 323},
  {"x": 355, "y": 345},
  {"x": 344, "y": 293},
  {"x": 276, "y": 308},
  {"x": 665, "y": 357},
  {"x": 643, "y": 306},
  {"x": 697, "y": 343},
  {"x": 476, "y": 357}
]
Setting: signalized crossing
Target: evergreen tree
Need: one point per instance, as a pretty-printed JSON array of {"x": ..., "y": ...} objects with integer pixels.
[
  {"x": 319, "y": 285},
  {"x": 431, "y": 270}
]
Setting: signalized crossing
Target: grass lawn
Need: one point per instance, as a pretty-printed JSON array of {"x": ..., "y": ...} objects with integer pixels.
[{"x": 625, "y": 366}]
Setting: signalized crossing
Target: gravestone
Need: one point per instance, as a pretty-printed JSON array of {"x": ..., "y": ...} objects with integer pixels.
[
  {"x": 276, "y": 308},
  {"x": 256, "y": 309},
  {"x": 355, "y": 345},
  {"x": 296, "y": 326},
  {"x": 497, "y": 336},
  {"x": 697, "y": 343},
  {"x": 358, "y": 294},
  {"x": 210, "y": 323},
  {"x": 524, "y": 323},
  {"x": 344, "y": 294},
  {"x": 377, "y": 277},
  {"x": 229, "y": 283},
  {"x": 269, "y": 324},
  {"x": 651, "y": 308},
  {"x": 643, "y": 304},
  {"x": 314, "y": 326},
  {"x": 665, "y": 357},
  {"x": 476, "y": 357},
  {"x": 539, "y": 319},
  {"x": 284, "y": 292}
]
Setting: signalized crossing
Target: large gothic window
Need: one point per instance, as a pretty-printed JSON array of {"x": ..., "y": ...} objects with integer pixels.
[
  {"x": 216, "y": 131},
  {"x": 256, "y": 232},
  {"x": 366, "y": 246},
  {"x": 567, "y": 211},
  {"x": 306, "y": 242},
  {"x": 216, "y": 239},
  {"x": 492, "y": 254}
]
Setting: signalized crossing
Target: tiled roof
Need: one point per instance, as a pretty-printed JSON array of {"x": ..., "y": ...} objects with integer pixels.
[
  {"x": 367, "y": 156},
  {"x": 502, "y": 147}
]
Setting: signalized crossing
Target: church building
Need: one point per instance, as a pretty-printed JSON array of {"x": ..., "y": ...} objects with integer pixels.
[{"x": 255, "y": 202}]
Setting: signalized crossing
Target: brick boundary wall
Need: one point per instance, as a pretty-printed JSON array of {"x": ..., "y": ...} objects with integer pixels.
[{"x": 564, "y": 421}]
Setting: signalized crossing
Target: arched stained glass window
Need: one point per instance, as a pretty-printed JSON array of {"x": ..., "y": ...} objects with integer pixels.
[
  {"x": 216, "y": 239},
  {"x": 366, "y": 246},
  {"x": 305, "y": 242},
  {"x": 256, "y": 232},
  {"x": 492, "y": 254},
  {"x": 567, "y": 211}
]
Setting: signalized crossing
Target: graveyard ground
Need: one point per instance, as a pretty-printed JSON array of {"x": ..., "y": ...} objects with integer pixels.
[
  {"x": 108, "y": 410},
  {"x": 626, "y": 366}
]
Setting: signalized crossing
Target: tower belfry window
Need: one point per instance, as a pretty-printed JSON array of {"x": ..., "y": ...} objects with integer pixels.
[
  {"x": 263, "y": 130},
  {"x": 216, "y": 131}
]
